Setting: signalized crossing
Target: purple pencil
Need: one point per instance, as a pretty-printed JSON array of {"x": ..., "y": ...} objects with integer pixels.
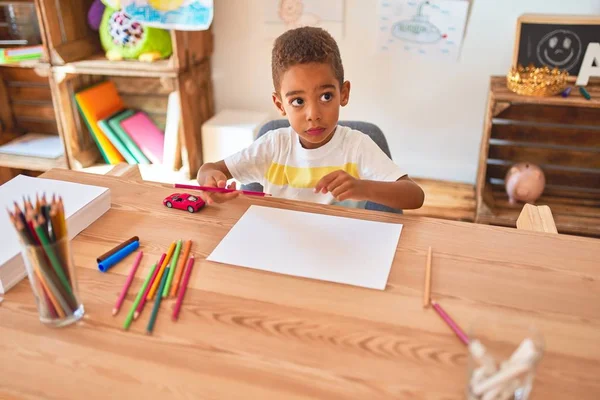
[
  {"x": 140, "y": 307},
  {"x": 123, "y": 293},
  {"x": 459, "y": 332},
  {"x": 184, "y": 284}
]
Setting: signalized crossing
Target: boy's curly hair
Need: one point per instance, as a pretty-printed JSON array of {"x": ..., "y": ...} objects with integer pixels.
[{"x": 305, "y": 45}]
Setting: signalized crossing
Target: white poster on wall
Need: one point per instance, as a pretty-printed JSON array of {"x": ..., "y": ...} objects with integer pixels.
[
  {"x": 430, "y": 29},
  {"x": 282, "y": 15}
]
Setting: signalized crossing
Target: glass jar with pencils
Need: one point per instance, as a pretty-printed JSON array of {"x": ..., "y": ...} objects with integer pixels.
[
  {"x": 503, "y": 357},
  {"x": 48, "y": 259}
]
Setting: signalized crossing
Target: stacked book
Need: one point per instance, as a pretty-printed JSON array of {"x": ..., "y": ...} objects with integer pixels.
[
  {"x": 123, "y": 134},
  {"x": 83, "y": 204}
]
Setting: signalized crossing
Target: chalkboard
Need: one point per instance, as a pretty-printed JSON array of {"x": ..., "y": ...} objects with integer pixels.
[{"x": 555, "y": 41}]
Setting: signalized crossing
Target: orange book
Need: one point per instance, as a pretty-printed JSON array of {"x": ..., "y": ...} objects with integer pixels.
[{"x": 97, "y": 103}]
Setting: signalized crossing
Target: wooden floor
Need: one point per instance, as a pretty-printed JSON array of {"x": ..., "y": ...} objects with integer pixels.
[{"x": 447, "y": 200}]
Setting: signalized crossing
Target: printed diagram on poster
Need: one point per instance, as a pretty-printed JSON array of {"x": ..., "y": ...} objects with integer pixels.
[
  {"x": 184, "y": 15},
  {"x": 282, "y": 15},
  {"x": 432, "y": 29}
]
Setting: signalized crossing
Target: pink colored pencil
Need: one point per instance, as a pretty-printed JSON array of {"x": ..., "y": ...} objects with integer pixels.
[
  {"x": 183, "y": 287},
  {"x": 121, "y": 297},
  {"x": 459, "y": 332},
  {"x": 140, "y": 307},
  {"x": 219, "y": 190}
]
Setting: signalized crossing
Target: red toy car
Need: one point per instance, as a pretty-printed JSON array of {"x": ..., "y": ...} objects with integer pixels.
[{"x": 184, "y": 201}]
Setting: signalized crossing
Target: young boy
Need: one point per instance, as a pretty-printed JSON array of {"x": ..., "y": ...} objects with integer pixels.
[{"x": 315, "y": 159}]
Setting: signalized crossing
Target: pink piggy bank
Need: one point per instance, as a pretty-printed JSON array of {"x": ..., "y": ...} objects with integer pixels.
[{"x": 524, "y": 182}]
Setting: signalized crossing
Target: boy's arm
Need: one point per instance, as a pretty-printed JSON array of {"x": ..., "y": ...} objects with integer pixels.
[
  {"x": 216, "y": 175},
  {"x": 403, "y": 194}
]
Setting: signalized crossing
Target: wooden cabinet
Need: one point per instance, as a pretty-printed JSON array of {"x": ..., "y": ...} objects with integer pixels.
[
  {"x": 562, "y": 136},
  {"x": 38, "y": 96}
]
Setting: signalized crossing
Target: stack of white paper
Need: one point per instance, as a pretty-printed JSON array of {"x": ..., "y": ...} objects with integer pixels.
[
  {"x": 35, "y": 145},
  {"x": 84, "y": 204},
  {"x": 335, "y": 249}
]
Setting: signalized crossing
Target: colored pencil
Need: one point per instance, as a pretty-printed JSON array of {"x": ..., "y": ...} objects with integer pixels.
[
  {"x": 184, "y": 284},
  {"x": 117, "y": 248},
  {"x": 165, "y": 292},
  {"x": 152, "y": 320},
  {"x": 123, "y": 293},
  {"x": 142, "y": 302},
  {"x": 156, "y": 282},
  {"x": 219, "y": 190},
  {"x": 584, "y": 93},
  {"x": 180, "y": 267},
  {"x": 51, "y": 254},
  {"x": 140, "y": 296},
  {"x": 40, "y": 227},
  {"x": 455, "y": 328},
  {"x": 49, "y": 299},
  {"x": 427, "y": 291}
]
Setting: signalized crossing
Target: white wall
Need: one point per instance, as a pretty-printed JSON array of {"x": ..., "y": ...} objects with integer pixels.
[{"x": 431, "y": 114}]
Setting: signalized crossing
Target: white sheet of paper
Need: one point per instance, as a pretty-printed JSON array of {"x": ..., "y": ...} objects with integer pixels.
[
  {"x": 334, "y": 249},
  {"x": 280, "y": 16},
  {"x": 431, "y": 29}
]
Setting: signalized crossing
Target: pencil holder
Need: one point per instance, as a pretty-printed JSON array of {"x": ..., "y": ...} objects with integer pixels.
[
  {"x": 503, "y": 357},
  {"x": 52, "y": 277}
]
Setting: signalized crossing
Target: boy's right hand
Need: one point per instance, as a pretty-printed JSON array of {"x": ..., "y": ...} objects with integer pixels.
[{"x": 219, "y": 180}]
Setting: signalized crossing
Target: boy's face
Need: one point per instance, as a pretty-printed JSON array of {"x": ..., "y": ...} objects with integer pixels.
[{"x": 310, "y": 96}]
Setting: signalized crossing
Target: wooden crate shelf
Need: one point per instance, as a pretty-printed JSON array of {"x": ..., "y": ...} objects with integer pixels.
[
  {"x": 562, "y": 136},
  {"x": 37, "y": 96},
  {"x": 71, "y": 40},
  {"x": 27, "y": 106},
  {"x": 145, "y": 93},
  {"x": 5, "y": 35},
  {"x": 31, "y": 163}
]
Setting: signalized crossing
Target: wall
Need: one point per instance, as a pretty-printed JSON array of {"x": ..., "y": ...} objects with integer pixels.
[{"x": 431, "y": 114}]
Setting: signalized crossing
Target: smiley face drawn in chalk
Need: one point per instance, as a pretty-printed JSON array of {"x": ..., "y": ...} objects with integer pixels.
[{"x": 560, "y": 48}]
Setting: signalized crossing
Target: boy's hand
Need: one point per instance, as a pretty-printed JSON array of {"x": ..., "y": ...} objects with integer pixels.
[
  {"x": 219, "y": 180},
  {"x": 343, "y": 186}
]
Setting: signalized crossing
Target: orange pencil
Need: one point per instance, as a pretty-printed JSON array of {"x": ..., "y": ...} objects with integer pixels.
[
  {"x": 156, "y": 282},
  {"x": 180, "y": 267}
]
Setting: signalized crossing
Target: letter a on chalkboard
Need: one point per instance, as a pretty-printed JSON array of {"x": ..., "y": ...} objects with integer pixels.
[{"x": 590, "y": 65}]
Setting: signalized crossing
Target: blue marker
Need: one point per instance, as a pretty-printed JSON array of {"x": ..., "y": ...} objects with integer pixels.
[{"x": 104, "y": 265}]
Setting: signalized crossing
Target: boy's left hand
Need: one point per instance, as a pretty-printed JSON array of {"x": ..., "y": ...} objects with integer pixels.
[{"x": 343, "y": 186}]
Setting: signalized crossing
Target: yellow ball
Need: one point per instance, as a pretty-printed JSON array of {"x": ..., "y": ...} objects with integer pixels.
[{"x": 166, "y": 5}]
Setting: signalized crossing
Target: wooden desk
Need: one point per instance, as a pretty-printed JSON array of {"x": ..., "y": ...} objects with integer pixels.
[{"x": 256, "y": 335}]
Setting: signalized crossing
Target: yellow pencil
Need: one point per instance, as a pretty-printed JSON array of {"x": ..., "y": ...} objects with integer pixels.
[
  {"x": 156, "y": 282},
  {"x": 427, "y": 291}
]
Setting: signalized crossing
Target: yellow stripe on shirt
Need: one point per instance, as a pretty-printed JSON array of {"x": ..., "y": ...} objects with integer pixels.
[{"x": 304, "y": 177}]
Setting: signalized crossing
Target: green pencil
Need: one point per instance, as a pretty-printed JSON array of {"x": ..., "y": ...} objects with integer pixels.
[
  {"x": 157, "y": 303},
  {"x": 51, "y": 255},
  {"x": 584, "y": 93},
  {"x": 165, "y": 293},
  {"x": 136, "y": 302}
]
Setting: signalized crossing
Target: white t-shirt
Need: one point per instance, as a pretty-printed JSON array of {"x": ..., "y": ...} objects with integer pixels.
[{"x": 285, "y": 169}]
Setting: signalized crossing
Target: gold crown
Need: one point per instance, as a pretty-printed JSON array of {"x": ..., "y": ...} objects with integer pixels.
[{"x": 534, "y": 81}]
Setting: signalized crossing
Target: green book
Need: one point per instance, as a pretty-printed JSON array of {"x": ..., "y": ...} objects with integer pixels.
[
  {"x": 87, "y": 123},
  {"x": 114, "y": 139},
  {"x": 134, "y": 150}
]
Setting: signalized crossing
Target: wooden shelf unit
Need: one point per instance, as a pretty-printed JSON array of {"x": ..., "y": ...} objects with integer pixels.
[
  {"x": 39, "y": 94},
  {"x": 27, "y": 106},
  {"x": 70, "y": 40},
  {"x": 145, "y": 93},
  {"x": 562, "y": 136}
]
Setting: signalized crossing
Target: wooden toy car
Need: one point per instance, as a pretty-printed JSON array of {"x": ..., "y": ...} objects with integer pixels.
[{"x": 184, "y": 201}]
